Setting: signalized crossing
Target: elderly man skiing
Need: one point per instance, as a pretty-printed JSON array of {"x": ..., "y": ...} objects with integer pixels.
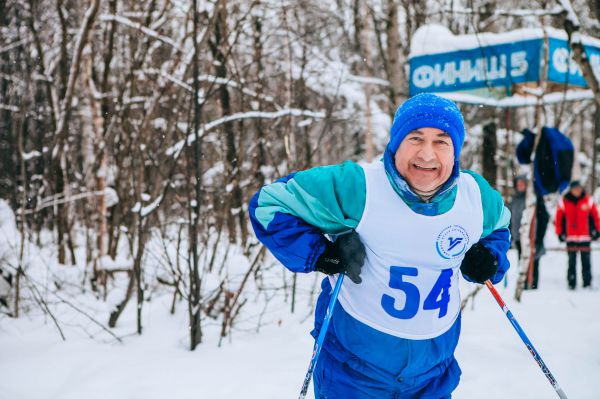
[{"x": 402, "y": 229}]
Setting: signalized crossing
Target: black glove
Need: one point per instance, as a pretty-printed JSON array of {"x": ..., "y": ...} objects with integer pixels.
[
  {"x": 562, "y": 237},
  {"x": 346, "y": 254},
  {"x": 595, "y": 235},
  {"x": 479, "y": 264}
]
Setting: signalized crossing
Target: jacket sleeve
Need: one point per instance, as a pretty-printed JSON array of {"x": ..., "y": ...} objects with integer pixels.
[
  {"x": 559, "y": 219},
  {"x": 291, "y": 215},
  {"x": 594, "y": 212},
  {"x": 496, "y": 219},
  {"x": 525, "y": 147}
]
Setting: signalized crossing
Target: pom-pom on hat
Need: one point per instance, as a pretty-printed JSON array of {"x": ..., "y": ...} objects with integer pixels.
[{"x": 428, "y": 110}]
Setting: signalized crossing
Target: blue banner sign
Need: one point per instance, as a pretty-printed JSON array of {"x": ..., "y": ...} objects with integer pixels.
[
  {"x": 563, "y": 69},
  {"x": 495, "y": 66}
]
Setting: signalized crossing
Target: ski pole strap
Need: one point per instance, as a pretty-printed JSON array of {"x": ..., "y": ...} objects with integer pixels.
[
  {"x": 526, "y": 341},
  {"x": 321, "y": 337}
]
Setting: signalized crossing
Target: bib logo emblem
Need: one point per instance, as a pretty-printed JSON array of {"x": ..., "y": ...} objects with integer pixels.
[{"x": 452, "y": 242}]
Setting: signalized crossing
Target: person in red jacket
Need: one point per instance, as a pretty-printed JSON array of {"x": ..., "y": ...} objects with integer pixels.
[{"x": 577, "y": 223}]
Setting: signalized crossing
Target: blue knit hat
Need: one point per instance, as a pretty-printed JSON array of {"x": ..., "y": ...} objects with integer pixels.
[{"x": 428, "y": 110}]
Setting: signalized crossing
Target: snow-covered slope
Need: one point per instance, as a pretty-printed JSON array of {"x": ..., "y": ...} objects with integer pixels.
[{"x": 563, "y": 325}]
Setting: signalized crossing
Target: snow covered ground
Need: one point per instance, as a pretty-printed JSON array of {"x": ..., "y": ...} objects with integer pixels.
[{"x": 563, "y": 325}]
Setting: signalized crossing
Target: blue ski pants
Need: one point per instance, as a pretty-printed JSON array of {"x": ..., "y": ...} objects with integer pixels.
[{"x": 336, "y": 380}]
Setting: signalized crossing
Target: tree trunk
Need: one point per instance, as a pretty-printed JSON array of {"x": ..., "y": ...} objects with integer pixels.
[
  {"x": 233, "y": 193},
  {"x": 394, "y": 50},
  {"x": 582, "y": 59},
  {"x": 594, "y": 177},
  {"x": 259, "y": 156},
  {"x": 62, "y": 128},
  {"x": 116, "y": 313},
  {"x": 195, "y": 300},
  {"x": 97, "y": 150},
  {"x": 490, "y": 147},
  {"x": 138, "y": 272}
]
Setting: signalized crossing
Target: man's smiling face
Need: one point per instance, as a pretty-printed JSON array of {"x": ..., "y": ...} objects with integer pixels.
[{"x": 425, "y": 158}]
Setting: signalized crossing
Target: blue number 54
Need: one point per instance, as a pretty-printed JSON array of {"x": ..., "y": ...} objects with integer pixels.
[{"x": 438, "y": 297}]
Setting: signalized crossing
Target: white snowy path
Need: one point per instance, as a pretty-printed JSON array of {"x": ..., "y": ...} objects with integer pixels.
[{"x": 564, "y": 326}]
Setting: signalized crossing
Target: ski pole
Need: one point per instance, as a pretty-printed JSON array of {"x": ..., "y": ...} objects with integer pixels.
[
  {"x": 321, "y": 337},
  {"x": 526, "y": 341}
]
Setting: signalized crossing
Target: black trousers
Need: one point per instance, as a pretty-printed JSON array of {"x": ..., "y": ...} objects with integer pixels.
[
  {"x": 536, "y": 268},
  {"x": 584, "y": 249}
]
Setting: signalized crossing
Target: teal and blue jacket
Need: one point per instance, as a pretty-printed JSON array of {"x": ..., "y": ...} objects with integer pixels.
[{"x": 291, "y": 216}]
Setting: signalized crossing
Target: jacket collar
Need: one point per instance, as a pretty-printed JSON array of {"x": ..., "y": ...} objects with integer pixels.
[{"x": 571, "y": 198}]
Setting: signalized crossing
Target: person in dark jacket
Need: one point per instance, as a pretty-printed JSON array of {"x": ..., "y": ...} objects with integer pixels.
[
  {"x": 517, "y": 206},
  {"x": 577, "y": 224}
]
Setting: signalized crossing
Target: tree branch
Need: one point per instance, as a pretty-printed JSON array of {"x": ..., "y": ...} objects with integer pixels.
[{"x": 571, "y": 25}]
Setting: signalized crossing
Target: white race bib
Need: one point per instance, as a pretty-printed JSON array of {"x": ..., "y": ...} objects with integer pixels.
[{"x": 410, "y": 277}]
